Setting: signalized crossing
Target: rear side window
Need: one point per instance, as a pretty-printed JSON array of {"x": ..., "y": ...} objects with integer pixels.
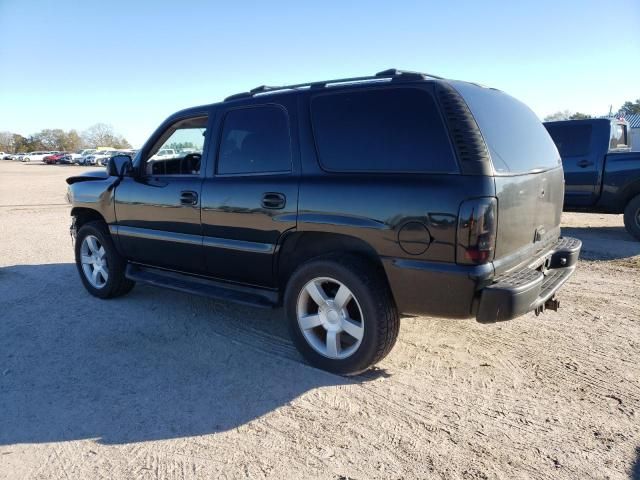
[
  {"x": 255, "y": 140},
  {"x": 517, "y": 140},
  {"x": 618, "y": 136},
  {"x": 571, "y": 140},
  {"x": 386, "y": 130}
]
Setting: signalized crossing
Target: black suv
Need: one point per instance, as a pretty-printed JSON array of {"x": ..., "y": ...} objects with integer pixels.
[{"x": 350, "y": 202}]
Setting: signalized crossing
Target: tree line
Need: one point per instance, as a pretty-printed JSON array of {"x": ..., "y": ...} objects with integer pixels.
[
  {"x": 627, "y": 108},
  {"x": 98, "y": 135}
]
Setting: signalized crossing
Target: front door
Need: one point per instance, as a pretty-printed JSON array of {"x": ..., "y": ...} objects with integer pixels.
[
  {"x": 158, "y": 211},
  {"x": 250, "y": 196}
]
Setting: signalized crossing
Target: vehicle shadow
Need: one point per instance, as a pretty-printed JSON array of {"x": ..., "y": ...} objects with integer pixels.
[
  {"x": 604, "y": 243},
  {"x": 635, "y": 472},
  {"x": 151, "y": 365}
]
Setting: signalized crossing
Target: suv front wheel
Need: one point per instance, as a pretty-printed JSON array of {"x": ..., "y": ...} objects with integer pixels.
[
  {"x": 341, "y": 314},
  {"x": 100, "y": 265}
]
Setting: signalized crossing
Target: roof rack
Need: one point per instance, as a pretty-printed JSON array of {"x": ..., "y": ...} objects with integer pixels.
[{"x": 391, "y": 74}]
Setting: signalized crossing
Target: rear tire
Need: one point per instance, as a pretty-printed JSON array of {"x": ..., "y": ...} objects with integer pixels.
[
  {"x": 369, "y": 315},
  {"x": 632, "y": 217},
  {"x": 94, "y": 237}
]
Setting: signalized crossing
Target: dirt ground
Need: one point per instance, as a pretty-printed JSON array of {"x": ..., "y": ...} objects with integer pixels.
[{"x": 160, "y": 384}]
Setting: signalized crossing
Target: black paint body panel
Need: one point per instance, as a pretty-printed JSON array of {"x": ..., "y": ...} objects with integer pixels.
[{"x": 405, "y": 222}]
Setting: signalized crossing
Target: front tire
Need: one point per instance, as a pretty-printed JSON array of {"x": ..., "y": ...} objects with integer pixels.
[
  {"x": 632, "y": 217},
  {"x": 342, "y": 317},
  {"x": 101, "y": 267}
]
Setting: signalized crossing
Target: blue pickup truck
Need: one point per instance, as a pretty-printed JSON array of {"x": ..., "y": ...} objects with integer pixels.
[{"x": 601, "y": 173}]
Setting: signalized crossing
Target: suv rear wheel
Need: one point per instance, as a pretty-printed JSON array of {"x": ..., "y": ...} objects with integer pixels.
[
  {"x": 341, "y": 314},
  {"x": 632, "y": 217},
  {"x": 100, "y": 265}
]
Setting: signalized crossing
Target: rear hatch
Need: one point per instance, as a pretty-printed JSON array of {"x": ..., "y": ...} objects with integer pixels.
[{"x": 528, "y": 175}]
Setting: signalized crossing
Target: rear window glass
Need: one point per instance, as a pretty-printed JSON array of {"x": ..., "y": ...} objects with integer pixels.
[
  {"x": 618, "y": 136},
  {"x": 517, "y": 140},
  {"x": 383, "y": 130},
  {"x": 571, "y": 140}
]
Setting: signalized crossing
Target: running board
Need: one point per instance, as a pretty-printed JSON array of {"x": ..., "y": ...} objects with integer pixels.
[{"x": 205, "y": 287}]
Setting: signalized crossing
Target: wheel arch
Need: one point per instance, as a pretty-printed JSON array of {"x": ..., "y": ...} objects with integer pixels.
[
  {"x": 300, "y": 247},
  {"x": 629, "y": 193},
  {"x": 84, "y": 215}
]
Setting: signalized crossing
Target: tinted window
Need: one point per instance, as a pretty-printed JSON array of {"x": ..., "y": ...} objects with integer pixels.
[
  {"x": 255, "y": 140},
  {"x": 517, "y": 140},
  {"x": 571, "y": 140},
  {"x": 387, "y": 130}
]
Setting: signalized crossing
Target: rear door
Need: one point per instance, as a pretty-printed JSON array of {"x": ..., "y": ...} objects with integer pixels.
[
  {"x": 528, "y": 173},
  {"x": 582, "y": 169},
  {"x": 250, "y": 195}
]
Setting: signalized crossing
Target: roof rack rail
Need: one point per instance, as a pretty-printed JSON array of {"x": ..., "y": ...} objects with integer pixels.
[{"x": 392, "y": 74}]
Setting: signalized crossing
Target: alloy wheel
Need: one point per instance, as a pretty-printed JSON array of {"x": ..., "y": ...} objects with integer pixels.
[
  {"x": 94, "y": 261},
  {"x": 330, "y": 318}
]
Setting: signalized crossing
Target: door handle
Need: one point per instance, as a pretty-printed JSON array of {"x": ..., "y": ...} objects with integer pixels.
[
  {"x": 274, "y": 200},
  {"x": 584, "y": 163},
  {"x": 188, "y": 198}
]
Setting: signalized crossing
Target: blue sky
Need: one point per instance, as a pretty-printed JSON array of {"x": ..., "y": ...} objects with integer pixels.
[{"x": 70, "y": 64}]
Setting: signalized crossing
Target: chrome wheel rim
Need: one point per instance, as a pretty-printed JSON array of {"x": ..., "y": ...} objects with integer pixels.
[
  {"x": 94, "y": 261},
  {"x": 330, "y": 318},
  {"x": 638, "y": 217}
]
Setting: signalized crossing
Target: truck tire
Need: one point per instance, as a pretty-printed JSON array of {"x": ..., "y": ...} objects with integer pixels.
[
  {"x": 341, "y": 314},
  {"x": 101, "y": 267},
  {"x": 632, "y": 217}
]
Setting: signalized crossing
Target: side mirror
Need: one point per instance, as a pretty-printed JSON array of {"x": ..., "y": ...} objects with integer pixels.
[{"x": 120, "y": 166}]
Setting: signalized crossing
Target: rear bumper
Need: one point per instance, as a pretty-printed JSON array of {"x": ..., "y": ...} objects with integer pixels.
[
  {"x": 526, "y": 289},
  {"x": 457, "y": 291}
]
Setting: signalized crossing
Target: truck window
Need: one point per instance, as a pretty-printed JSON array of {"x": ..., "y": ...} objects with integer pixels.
[
  {"x": 381, "y": 130},
  {"x": 618, "y": 136},
  {"x": 517, "y": 140},
  {"x": 255, "y": 140},
  {"x": 571, "y": 140}
]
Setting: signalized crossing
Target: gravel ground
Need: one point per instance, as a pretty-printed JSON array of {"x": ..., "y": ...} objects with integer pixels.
[{"x": 159, "y": 384}]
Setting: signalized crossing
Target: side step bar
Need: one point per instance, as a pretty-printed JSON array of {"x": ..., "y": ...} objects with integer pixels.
[{"x": 205, "y": 287}]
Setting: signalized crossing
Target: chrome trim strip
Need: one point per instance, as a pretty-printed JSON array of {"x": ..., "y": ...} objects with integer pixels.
[
  {"x": 213, "y": 242},
  {"x": 240, "y": 245},
  {"x": 149, "y": 234}
]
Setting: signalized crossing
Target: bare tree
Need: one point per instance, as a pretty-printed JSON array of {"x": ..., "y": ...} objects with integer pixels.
[
  {"x": 103, "y": 135},
  {"x": 6, "y": 141}
]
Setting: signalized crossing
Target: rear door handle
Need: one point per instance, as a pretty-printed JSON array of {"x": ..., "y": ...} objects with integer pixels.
[
  {"x": 584, "y": 163},
  {"x": 274, "y": 200},
  {"x": 188, "y": 197}
]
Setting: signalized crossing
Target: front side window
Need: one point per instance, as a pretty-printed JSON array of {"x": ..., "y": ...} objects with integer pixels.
[
  {"x": 184, "y": 134},
  {"x": 382, "y": 130},
  {"x": 255, "y": 140}
]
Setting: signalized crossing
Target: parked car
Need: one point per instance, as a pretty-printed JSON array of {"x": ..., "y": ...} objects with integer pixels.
[
  {"x": 97, "y": 157},
  {"x": 55, "y": 158},
  {"x": 600, "y": 171},
  {"x": 35, "y": 156},
  {"x": 349, "y": 202},
  {"x": 77, "y": 156},
  {"x": 104, "y": 157}
]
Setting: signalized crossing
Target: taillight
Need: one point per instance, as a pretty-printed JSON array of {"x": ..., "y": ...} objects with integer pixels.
[{"x": 476, "y": 236}]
